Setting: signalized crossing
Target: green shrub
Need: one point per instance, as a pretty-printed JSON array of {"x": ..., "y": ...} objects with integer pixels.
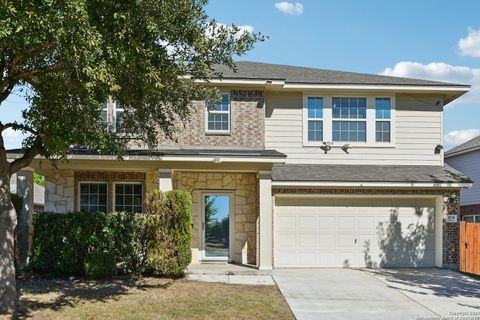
[
  {"x": 61, "y": 242},
  {"x": 99, "y": 265},
  {"x": 169, "y": 232}
]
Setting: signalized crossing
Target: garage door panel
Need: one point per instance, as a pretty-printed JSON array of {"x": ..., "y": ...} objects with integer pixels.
[{"x": 352, "y": 232}]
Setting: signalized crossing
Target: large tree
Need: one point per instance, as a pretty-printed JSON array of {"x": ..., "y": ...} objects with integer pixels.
[{"x": 68, "y": 56}]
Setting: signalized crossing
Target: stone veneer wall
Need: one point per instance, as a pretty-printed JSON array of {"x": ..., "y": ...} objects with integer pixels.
[
  {"x": 59, "y": 191},
  {"x": 451, "y": 231},
  {"x": 244, "y": 189}
]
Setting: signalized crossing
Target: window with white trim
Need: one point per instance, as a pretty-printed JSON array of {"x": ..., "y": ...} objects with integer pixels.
[
  {"x": 382, "y": 119},
  {"x": 315, "y": 118},
  {"x": 104, "y": 115},
  {"x": 118, "y": 114},
  {"x": 218, "y": 115},
  {"x": 349, "y": 119},
  {"x": 475, "y": 218},
  {"x": 93, "y": 196},
  {"x": 129, "y": 197}
]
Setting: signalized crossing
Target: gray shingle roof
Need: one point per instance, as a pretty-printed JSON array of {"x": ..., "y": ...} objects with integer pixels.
[
  {"x": 470, "y": 145},
  {"x": 367, "y": 173},
  {"x": 292, "y": 74},
  {"x": 181, "y": 152}
]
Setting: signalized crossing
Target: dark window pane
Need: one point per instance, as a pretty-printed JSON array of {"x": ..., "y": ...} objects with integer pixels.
[
  {"x": 128, "y": 189},
  {"x": 93, "y": 188},
  {"x": 102, "y": 188},
  {"x": 137, "y": 189}
]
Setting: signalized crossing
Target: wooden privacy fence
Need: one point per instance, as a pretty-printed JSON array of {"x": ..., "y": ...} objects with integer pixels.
[{"x": 470, "y": 247}]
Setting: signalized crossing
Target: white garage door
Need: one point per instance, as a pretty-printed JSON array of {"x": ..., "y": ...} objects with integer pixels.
[{"x": 362, "y": 232}]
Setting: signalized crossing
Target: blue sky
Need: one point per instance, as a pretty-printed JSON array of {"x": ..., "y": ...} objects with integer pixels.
[{"x": 405, "y": 38}]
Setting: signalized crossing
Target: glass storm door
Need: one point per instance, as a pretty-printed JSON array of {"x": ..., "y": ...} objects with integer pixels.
[{"x": 216, "y": 217}]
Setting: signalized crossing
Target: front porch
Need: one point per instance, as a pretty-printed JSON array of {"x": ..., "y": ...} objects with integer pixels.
[{"x": 243, "y": 180}]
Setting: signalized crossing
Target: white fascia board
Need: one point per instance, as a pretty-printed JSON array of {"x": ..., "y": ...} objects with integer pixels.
[
  {"x": 370, "y": 184},
  {"x": 376, "y": 87},
  {"x": 453, "y": 154},
  {"x": 214, "y": 159},
  {"x": 242, "y": 82},
  {"x": 222, "y": 159}
]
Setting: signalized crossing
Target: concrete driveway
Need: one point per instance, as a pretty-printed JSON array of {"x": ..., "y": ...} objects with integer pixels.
[{"x": 379, "y": 294}]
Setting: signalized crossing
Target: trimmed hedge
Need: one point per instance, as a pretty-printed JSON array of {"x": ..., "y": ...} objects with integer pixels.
[
  {"x": 169, "y": 232},
  {"x": 61, "y": 242},
  {"x": 89, "y": 244},
  {"x": 99, "y": 265}
]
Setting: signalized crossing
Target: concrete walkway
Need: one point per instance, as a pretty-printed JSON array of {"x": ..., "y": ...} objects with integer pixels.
[
  {"x": 382, "y": 294},
  {"x": 229, "y": 273}
]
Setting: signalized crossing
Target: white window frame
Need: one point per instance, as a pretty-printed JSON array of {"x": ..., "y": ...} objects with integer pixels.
[
  {"x": 114, "y": 192},
  {"x": 229, "y": 112},
  {"x": 114, "y": 115},
  {"x": 105, "y": 109},
  {"x": 476, "y": 217},
  {"x": 306, "y": 119},
  {"x": 391, "y": 120},
  {"x": 79, "y": 183},
  {"x": 370, "y": 120}
]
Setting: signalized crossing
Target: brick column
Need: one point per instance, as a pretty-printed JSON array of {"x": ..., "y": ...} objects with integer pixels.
[
  {"x": 266, "y": 220},
  {"x": 451, "y": 231}
]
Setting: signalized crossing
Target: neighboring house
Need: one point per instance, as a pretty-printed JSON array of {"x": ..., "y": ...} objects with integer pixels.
[
  {"x": 264, "y": 190},
  {"x": 466, "y": 158}
]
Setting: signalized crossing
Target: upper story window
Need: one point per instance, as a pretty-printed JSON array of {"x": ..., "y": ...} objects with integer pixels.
[
  {"x": 218, "y": 116},
  {"x": 93, "y": 196},
  {"x": 112, "y": 120},
  {"x": 382, "y": 119},
  {"x": 104, "y": 115},
  {"x": 357, "y": 120},
  {"x": 118, "y": 114},
  {"x": 350, "y": 110},
  {"x": 315, "y": 118}
]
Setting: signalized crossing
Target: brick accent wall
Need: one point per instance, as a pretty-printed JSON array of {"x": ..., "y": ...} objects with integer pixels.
[
  {"x": 244, "y": 189},
  {"x": 470, "y": 209},
  {"x": 451, "y": 231},
  {"x": 246, "y": 126},
  {"x": 110, "y": 177}
]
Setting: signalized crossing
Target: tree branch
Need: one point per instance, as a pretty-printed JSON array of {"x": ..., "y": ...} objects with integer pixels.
[
  {"x": 17, "y": 126},
  {"x": 26, "y": 158}
]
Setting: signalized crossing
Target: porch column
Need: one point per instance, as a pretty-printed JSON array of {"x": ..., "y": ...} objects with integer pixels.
[
  {"x": 165, "y": 180},
  {"x": 25, "y": 189},
  {"x": 266, "y": 221},
  {"x": 438, "y": 232}
]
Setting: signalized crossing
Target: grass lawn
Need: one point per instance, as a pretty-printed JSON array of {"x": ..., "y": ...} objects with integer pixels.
[{"x": 148, "y": 298}]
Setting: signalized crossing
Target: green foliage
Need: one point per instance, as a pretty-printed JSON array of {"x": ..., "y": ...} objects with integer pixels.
[
  {"x": 169, "y": 232},
  {"x": 67, "y": 57},
  {"x": 99, "y": 265},
  {"x": 38, "y": 179},
  {"x": 61, "y": 242}
]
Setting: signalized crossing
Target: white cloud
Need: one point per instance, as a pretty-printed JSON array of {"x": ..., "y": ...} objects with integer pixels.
[
  {"x": 454, "y": 138},
  {"x": 470, "y": 45},
  {"x": 440, "y": 71},
  {"x": 290, "y": 8},
  {"x": 12, "y": 139}
]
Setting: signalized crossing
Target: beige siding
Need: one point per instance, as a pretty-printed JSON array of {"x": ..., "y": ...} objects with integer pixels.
[
  {"x": 468, "y": 164},
  {"x": 418, "y": 131}
]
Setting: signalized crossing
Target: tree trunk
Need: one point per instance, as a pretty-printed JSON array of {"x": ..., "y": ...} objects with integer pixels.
[{"x": 8, "y": 222}]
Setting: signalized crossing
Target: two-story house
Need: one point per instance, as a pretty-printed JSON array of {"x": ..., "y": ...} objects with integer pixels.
[
  {"x": 295, "y": 167},
  {"x": 466, "y": 157}
]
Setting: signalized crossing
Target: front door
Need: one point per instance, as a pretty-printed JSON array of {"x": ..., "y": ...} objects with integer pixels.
[{"x": 216, "y": 226}]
